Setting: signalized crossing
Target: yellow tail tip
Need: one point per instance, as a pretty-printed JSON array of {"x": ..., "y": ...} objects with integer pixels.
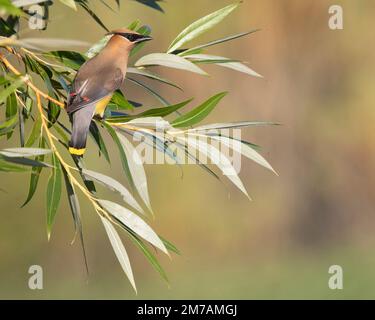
[{"x": 77, "y": 152}]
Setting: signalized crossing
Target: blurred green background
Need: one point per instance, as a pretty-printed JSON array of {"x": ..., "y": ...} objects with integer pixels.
[{"x": 319, "y": 212}]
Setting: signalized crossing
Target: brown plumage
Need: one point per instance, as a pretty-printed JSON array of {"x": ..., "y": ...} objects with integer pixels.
[{"x": 95, "y": 83}]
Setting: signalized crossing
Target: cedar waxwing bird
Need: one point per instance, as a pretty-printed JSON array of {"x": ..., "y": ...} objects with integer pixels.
[{"x": 95, "y": 83}]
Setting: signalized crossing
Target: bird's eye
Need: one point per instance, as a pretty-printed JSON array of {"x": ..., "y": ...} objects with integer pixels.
[{"x": 132, "y": 37}]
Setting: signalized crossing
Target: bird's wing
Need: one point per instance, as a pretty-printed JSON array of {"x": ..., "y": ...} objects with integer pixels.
[{"x": 93, "y": 84}]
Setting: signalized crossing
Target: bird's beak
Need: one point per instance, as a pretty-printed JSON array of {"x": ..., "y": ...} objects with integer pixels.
[{"x": 143, "y": 39}]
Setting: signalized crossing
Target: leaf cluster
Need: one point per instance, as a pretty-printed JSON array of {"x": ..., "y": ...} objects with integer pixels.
[{"x": 44, "y": 146}]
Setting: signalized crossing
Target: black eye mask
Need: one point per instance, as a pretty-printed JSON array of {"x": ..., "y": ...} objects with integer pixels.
[{"x": 132, "y": 37}]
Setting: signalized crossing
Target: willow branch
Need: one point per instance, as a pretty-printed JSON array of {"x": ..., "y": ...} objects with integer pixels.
[{"x": 29, "y": 83}]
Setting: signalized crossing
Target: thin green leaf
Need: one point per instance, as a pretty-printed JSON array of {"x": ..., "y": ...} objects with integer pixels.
[
  {"x": 24, "y": 152},
  {"x": 76, "y": 213},
  {"x": 229, "y": 125},
  {"x": 21, "y": 123},
  {"x": 5, "y": 166},
  {"x": 8, "y": 125},
  {"x": 133, "y": 222},
  {"x": 119, "y": 250},
  {"x": 53, "y": 193},
  {"x": 124, "y": 160},
  {"x": 35, "y": 174},
  {"x": 25, "y": 161},
  {"x": 223, "y": 62},
  {"x": 218, "y": 158},
  {"x": 8, "y": 90},
  {"x": 170, "y": 61},
  {"x": 11, "y": 109},
  {"x": 35, "y": 132},
  {"x": 85, "y": 6},
  {"x": 152, "y": 76},
  {"x": 148, "y": 254},
  {"x": 200, "y": 26},
  {"x": 153, "y": 112},
  {"x": 114, "y": 185},
  {"x": 152, "y": 4},
  {"x": 212, "y": 43},
  {"x": 136, "y": 169},
  {"x": 170, "y": 246},
  {"x": 120, "y": 101},
  {"x": 149, "y": 90},
  {"x": 95, "y": 133},
  {"x": 199, "y": 113},
  {"x": 245, "y": 150}
]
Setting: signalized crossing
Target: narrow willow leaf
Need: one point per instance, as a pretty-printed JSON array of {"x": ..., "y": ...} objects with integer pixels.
[
  {"x": 152, "y": 76},
  {"x": 218, "y": 41},
  {"x": 35, "y": 174},
  {"x": 8, "y": 90},
  {"x": 153, "y": 112},
  {"x": 81, "y": 165},
  {"x": 24, "y": 152},
  {"x": 121, "y": 102},
  {"x": 148, "y": 254},
  {"x": 114, "y": 185},
  {"x": 152, "y": 4},
  {"x": 8, "y": 125},
  {"x": 9, "y": 167},
  {"x": 95, "y": 133},
  {"x": 245, "y": 150},
  {"x": 21, "y": 125},
  {"x": 161, "y": 144},
  {"x": 136, "y": 169},
  {"x": 70, "y": 59},
  {"x": 196, "y": 160},
  {"x": 35, "y": 132},
  {"x": 76, "y": 213},
  {"x": 170, "y": 246},
  {"x": 70, "y": 3},
  {"x": 64, "y": 138},
  {"x": 218, "y": 158},
  {"x": 119, "y": 250},
  {"x": 123, "y": 158},
  {"x": 53, "y": 193},
  {"x": 240, "y": 67},
  {"x": 170, "y": 61},
  {"x": 133, "y": 222},
  {"x": 199, "y": 113},
  {"x": 198, "y": 57},
  {"x": 229, "y": 125},
  {"x": 25, "y": 161},
  {"x": 11, "y": 110},
  {"x": 149, "y": 90},
  {"x": 134, "y": 25},
  {"x": 107, "y": 5},
  {"x": 223, "y": 62},
  {"x": 200, "y": 26},
  {"x": 153, "y": 122},
  {"x": 85, "y": 6}
]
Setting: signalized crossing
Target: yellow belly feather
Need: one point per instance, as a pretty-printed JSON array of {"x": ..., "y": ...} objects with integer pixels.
[{"x": 102, "y": 104}]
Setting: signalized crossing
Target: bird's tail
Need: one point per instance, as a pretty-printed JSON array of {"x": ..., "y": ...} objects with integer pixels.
[{"x": 81, "y": 120}]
